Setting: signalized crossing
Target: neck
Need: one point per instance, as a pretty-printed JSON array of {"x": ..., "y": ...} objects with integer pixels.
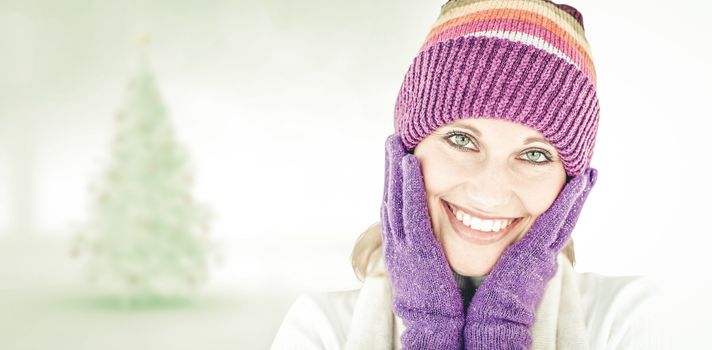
[{"x": 468, "y": 286}]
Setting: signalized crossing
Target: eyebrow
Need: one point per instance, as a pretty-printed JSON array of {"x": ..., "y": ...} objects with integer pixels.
[{"x": 528, "y": 140}]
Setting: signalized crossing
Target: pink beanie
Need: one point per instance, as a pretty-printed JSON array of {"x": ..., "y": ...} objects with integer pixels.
[{"x": 525, "y": 61}]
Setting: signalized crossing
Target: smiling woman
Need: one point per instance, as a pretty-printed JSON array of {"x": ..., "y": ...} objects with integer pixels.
[
  {"x": 491, "y": 180},
  {"x": 486, "y": 175}
]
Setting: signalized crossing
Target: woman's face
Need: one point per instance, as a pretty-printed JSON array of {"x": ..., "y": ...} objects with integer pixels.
[{"x": 481, "y": 174}]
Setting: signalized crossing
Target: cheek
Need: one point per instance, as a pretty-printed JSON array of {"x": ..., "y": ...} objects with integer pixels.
[
  {"x": 537, "y": 194},
  {"x": 439, "y": 173},
  {"x": 538, "y": 200},
  {"x": 440, "y": 177}
]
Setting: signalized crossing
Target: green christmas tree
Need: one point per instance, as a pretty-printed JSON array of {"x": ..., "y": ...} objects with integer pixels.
[{"x": 146, "y": 240}]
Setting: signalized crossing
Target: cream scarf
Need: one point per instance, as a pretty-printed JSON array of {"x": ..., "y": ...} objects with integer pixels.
[{"x": 559, "y": 319}]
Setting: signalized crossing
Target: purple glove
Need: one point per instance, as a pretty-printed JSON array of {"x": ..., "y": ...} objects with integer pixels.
[
  {"x": 425, "y": 294},
  {"x": 504, "y": 307}
]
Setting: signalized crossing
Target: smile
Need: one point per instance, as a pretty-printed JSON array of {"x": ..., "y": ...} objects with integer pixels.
[{"x": 477, "y": 229}]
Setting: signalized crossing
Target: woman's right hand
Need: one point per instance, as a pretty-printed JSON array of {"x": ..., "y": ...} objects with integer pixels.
[{"x": 425, "y": 294}]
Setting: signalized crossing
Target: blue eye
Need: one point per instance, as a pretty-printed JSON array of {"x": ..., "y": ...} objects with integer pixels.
[
  {"x": 459, "y": 140},
  {"x": 537, "y": 157}
]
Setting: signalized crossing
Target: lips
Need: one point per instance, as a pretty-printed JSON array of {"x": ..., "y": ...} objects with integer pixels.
[{"x": 475, "y": 236}]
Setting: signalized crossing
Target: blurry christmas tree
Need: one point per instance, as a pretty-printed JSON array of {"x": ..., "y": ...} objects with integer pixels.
[{"x": 146, "y": 239}]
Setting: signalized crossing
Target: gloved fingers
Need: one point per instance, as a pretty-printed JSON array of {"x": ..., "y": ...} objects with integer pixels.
[
  {"x": 395, "y": 150},
  {"x": 417, "y": 224},
  {"x": 385, "y": 224},
  {"x": 386, "y": 229},
  {"x": 387, "y": 172},
  {"x": 592, "y": 177},
  {"x": 587, "y": 179},
  {"x": 553, "y": 227},
  {"x": 393, "y": 153},
  {"x": 580, "y": 183}
]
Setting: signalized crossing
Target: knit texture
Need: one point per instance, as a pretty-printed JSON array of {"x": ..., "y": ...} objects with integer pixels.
[
  {"x": 524, "y": 61},
  {"x": 425, "y": 294},
  {"x": 425, "y": 290},
  {"x": 503, "y": 310}
]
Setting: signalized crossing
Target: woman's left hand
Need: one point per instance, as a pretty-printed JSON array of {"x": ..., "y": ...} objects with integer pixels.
[{"x": 504, "y": 307}]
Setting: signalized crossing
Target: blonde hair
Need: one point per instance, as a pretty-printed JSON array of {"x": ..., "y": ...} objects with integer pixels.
[{"x": 367, "y": 255}]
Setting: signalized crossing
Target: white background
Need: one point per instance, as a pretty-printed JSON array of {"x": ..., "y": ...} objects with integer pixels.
[{"x": 285, "y": 106}]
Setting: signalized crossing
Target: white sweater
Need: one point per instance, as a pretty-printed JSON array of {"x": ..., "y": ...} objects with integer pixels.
[{"x": 616, "y": 313}]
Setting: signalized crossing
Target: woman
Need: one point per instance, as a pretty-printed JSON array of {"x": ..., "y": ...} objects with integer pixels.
[{"x": 486, "y": 176}]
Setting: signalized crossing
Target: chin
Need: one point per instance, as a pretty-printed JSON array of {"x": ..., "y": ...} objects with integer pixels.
[{"x": 466, "y": 258}]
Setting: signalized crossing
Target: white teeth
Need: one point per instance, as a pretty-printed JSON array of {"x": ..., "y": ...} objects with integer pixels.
[
  {"x": 496, "y": 225},
  {"x": 481, "y": 224},
  {"x": 475, "y": 223},
  {"x": 487, "y": 225}
]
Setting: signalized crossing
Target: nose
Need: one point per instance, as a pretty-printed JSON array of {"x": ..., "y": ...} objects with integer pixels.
[{"x": 488, "y": 187}]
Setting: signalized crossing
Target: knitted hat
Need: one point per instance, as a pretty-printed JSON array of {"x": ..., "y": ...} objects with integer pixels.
[{"x": 525, "y": 61}]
